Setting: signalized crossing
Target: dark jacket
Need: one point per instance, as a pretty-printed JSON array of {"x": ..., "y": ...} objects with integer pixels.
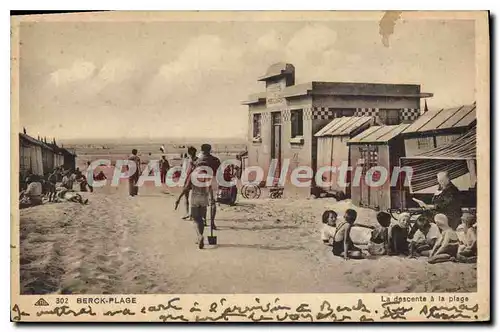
[{"x": 212, "y": 161}]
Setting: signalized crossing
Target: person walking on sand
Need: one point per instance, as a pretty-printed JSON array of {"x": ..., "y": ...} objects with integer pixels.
[
  {"x": 133, "y": 189},
  {"x": 164, "y": 167},
  {"x": 214, "y": 163},
  {"x": 201, "y": 197}
]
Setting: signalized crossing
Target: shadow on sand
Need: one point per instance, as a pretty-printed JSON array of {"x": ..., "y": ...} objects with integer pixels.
[
  {"x": 254, "y": 228},
  {"x": 258, "y": 246},
  {"x": 243, "y": 204}
]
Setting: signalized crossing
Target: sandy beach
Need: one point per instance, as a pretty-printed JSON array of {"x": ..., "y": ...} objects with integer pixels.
[{"x": 140, "y": 245}]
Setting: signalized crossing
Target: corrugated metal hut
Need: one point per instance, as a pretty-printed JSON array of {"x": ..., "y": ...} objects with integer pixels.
[
  {"x": 333, "y": 149},
  {"x": 376, "y": 149}
]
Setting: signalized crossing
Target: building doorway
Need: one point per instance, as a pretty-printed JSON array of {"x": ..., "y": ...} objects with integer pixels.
[
  {"x": 369, "y": 156},
  {"x": 276, "y": 141}
]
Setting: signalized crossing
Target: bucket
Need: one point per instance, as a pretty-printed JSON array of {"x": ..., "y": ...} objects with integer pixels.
[{"x": 212, "y": 240}]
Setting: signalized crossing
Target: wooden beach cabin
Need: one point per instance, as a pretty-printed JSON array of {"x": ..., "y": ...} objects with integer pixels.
[
  {"x": 69, "y": 158},
  {"x": 436, "y": 128},
  {"x": 333, "y": 149},
  {"x": 30, "y": 155},
  {"x": 431, "y": 131},
  {"x": 380, "y": 146}
]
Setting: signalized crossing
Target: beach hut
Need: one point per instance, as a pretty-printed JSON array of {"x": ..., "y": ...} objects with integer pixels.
[
  {"x": 69, "y": 158},
  {"x": 333, "y": 150},
  {"x": 373, "y": 155},
  {"x": 436, "y": 128},
  {"x": 58, "y": 155},
  {"x": 33, "y": 155}
]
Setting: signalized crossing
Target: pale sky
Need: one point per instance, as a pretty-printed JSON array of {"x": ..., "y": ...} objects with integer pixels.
[{"x": 111, "y": 80}]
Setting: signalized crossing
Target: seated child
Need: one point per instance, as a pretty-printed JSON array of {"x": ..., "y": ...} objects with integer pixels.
[
  {"x": 32, "y": 196},
  {"x": 329, "y": 223},
  {"x": 342, "y": 243},
  {"x": 425, "y": 237},
  {"x": 467, "y": 250},
  {"x": 446, "y": 246},
  {"x": 379, "y": 241},
  {"x": 398, "y": 235}
]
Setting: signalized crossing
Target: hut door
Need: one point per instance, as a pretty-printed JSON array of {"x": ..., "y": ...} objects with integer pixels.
[
  {"x": 369, "y": 196},
  {"x": 276, "y": 141}
]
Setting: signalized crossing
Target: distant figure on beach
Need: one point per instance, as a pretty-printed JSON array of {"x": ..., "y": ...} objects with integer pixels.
[
  {"x": 191, "y": 162},
  {"x": 133, "y": 189},
  {"x": 100, "y": 176},
  {"x": 90, "y": 173},
  {"x": 52, "y": 181},
  {"x": 164, "y": 167},
  {"x": 67, "y": 180}
]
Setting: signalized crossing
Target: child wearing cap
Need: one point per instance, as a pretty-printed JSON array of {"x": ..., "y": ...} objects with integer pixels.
[{"x": 446, "y": 246}]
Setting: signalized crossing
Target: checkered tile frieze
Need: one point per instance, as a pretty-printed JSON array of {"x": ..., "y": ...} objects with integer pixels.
[
  {"x": 366, "y": 112},
  {"x": 314, "y": 113},
  {"x": 286, "y": 114},
  {"x": 409, "y": 114},
  {"x": 323, "y": 113},
  {"x": 265, "y": 117}
]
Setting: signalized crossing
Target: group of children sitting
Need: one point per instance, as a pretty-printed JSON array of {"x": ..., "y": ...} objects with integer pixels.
[
  {"x": 57, "y": 186},
  {"x": 430, "y": 236}
]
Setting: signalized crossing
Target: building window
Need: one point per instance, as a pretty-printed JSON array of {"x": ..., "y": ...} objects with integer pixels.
[
  {"x": 297, "y": 123},
  {"x": 389, "y": 116},
  {"x": 445, "y": 139},
  {"x": 256, "y": 125},
  {"x": 340, "y": 112},
  {"x": 425, "y": 143}
]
